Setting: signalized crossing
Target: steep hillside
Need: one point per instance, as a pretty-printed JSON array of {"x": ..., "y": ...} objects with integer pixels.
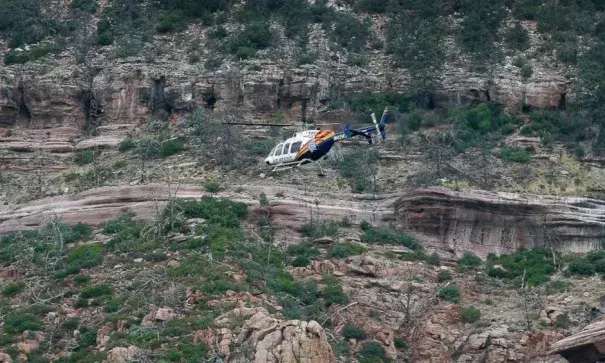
[{"x": 137, "y": 225}]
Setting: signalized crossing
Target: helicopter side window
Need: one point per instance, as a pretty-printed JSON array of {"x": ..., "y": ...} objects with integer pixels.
[
  {"x": 278, "y": 151},
  {"x": 295, "y": 147},
  {"x": 286, "y": 148}
]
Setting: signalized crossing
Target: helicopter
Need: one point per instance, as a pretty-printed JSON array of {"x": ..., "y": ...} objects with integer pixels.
[{"x": 312, "y": 145}]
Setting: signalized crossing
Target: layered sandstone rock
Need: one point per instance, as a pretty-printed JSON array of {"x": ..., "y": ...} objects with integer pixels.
[
  {"x": 587, "y": 346},
  {"x": 485, "y": 222}
]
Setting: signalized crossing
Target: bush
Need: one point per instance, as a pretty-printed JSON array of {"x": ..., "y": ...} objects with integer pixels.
[
  {"x": 515, "y": 155},
  {"x": 256, "y": 35},
  {"x": 259, "y": 147},
  {"x": 89, "y": 6},
  {"x": 557, "y": 287},
  {"x": 13, "y": 288},
  {"x": 526, "y": 71},
  {"x": 356, "y": 60},
  {"x": 433, "y": 259},
  {"x": 517, "y": 38},
  {"x": 373, "y": 6},
  {"x": 212, "y": 186},
  {"x": 581, "y": 268},
  {"x": 444, "y": 275},
  {"x": 471, "y": 315},
  {"x": 307, "y": 58},
  {"x": 172, "y": 22},
  {"x": 85, "y": 256},
  {"x": 350, "y": 33},
  {"x": 126, "y": 144},
  {"x": 301, "y": 261},
  {"x": 84, "y": 157},
  {"x": 450, "y": 293},
  {"x": 360, "y": 168},
  {"x": 81, "y": 279},
  {"x": 388, "y": 236},
  {"x": 14, "y": 324},
  {"x": 373, "y": 352},
  {"x": 71, "y": 323},
  {"x": 343, "y": 250},
  {"x": 469, "y": 261},
  {"x": 320, "y": 229},
  {"x": 351, "y": 331},
  {"x": 171, "y": 147},
  {"x": 536, "y": 263},
  {"x": 400, "y": 343},
  {"x": 333, "y": 293},
  {"x": 96, "y": 291}
]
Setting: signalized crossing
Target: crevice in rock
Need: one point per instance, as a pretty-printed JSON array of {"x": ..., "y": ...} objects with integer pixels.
[
  {"x": 24, "y": 112},
  {"x": 425, "y": 100},
  {"x": 563, "y": 102},
  {"x": 487, "y": 96},
  {"x": 92, "y": 110},
  {"x": 303, "y": 111},
  {"x": 210, "y": 99},
  {"x": 158, "y": 103}
]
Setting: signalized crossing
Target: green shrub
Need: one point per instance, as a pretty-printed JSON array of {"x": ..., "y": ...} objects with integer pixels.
[
  {"x": 171, "y": 147},
  {"x": 581, "y": 268},
  {"x": 301, "y": 261},
  {"x": 212, "y": 186},
  {"x": 259, "y": 147},
  {"x": 400, "y": 343},
  {"x": 96, "y": 291},
  {"x": 515, "y": 154},
  {"x": 350, "y": 331},
  {"x": 517, "y": 38},
  {"x": 13, "y": 288},
  {"x": 444, "y": 275},
  {"x": 85, "y": 256},
  {"x": 433, "y": 259},
  {"x": 172, "y": 22},
  {"x": 84, "y": 157},
  {"x": 356, "y": 60},
  {"x": 89, "y": 6},
  {"x": 81, "y": 279},
  {"x": 389, "y": 236},
  {"x": 343, "y": 250},
  {"x": 351, "y": 33},
  {"x": 360, "y": 168},
  {"x": 333, "y": 293},
  {"x": 255, "y": 36},
  {"x": 373, "y": 352},
  {"x": 70, "y": 323},
  {"x": 471, "y": 315},
  {"x": 16, "y": 324},
  {"x": 526, "y": 70},
  {"x": 469, "y": 261},
  {"x": 373, "y": 6},
  {"x": 126, "y": 144},
  {"x": 450, "y": 293},
  {"x": 113, "y": 305},
  {"x": 562, "y": 321},
  {"x": 536, "y": 264},
  {"x": 320, "y": 229},
  {"x": 557, "y": 287},
  {"x": 307, "y": 58}
]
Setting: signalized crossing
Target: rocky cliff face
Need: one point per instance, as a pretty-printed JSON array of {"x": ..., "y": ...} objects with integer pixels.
[
  {"x": 487, "y": 222},
  {"x": 64, "y": 98},
  {"x": 482, "y": 222}
]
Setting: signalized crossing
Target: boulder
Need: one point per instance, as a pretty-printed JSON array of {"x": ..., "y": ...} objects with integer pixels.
[
  {"x": 586, "y": 346},
  {"x": 163, "y": 314},
  {"x": 123, "y": 355},
  {"x": 5, "y": 358}
]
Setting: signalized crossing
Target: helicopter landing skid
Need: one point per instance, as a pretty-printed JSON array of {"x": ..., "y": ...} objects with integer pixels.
[{"x": 295, "y": 164}]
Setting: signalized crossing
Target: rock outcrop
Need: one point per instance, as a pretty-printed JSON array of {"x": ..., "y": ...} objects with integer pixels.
[
  {"x": 292, "y": 341},
  {"x": 485, "y": 222},
  {"x": 587, "y": 346}
]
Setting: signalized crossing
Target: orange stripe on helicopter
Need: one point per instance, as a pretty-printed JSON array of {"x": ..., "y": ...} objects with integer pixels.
[{"x": 319, "y": 138}]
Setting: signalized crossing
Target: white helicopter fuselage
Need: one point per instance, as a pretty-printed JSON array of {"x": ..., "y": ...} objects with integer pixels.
[{"x": 287, "y": 151}]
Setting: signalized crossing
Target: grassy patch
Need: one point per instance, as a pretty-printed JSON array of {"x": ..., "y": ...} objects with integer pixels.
[
  {"x": 537, "y": 262},
  {"x": 444, "y": 275},
  {"x": 343, "y": 250},
  {"x": 389, "y": 236},
  {"x": 351, "y": 331},
  {"x": 320, "y": 229}
]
